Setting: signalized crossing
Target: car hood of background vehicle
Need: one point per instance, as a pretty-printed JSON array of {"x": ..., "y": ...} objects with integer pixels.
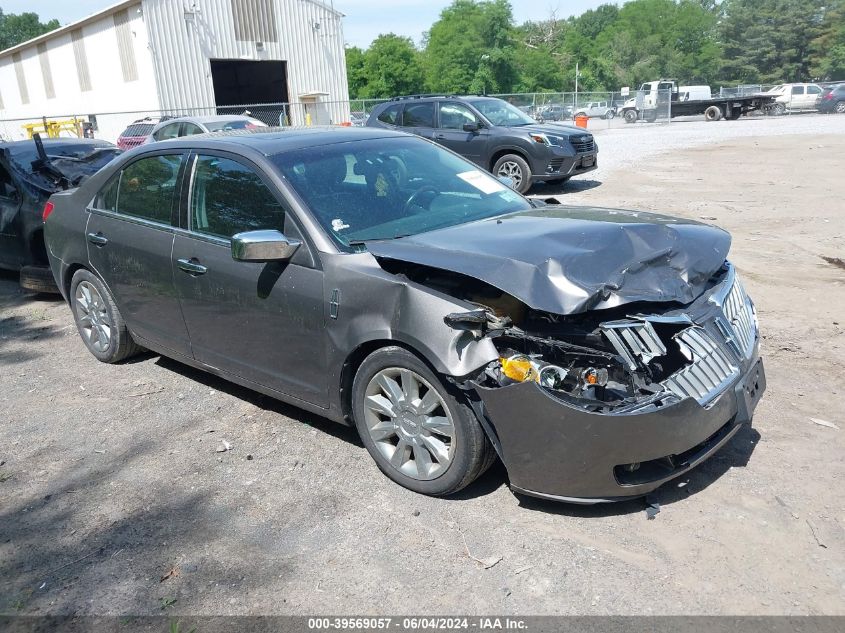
[{"x": 572, "y": 260}]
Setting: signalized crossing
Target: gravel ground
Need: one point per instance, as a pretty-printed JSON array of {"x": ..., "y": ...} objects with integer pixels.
[{"x": 113, "y": 499}]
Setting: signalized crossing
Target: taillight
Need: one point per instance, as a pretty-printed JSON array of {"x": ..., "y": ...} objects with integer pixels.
[
  {"x": 829, "y": 96},
  {"x": 48, "y": 209}
]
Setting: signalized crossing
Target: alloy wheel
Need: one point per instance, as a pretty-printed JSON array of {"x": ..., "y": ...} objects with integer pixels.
[
  {"x": 840, "y": 107},
  {"x": 93, "y": 315},
  {"x": 409, "y": 423},
  {"x": 510, "y": 169}
]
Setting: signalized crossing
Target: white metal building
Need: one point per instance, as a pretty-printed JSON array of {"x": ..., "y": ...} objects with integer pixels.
[{"x": 175, "y": 56}]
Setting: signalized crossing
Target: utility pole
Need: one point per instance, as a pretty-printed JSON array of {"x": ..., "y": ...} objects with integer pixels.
[{"x": 575, "y": 105}]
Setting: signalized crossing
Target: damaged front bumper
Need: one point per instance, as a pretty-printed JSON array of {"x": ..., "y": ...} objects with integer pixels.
[{"x": 556, "y": 451}]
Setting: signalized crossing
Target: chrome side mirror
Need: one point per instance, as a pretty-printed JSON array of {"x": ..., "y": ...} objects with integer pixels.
[{"x": 263, "y": 246}]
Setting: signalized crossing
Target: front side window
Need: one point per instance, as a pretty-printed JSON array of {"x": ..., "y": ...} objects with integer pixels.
[
  {"x": 390, "y": 115},
  {"x": 228, "y": 198},
  {"x": 502, "y": 113},
  {"x": 189, "y": 129},
  {"x": 168, "y": 132},
  {"x": 145, "y": 189},
  {"x": 797, "y": 90},
  {"x": 419, "y": 115},
  {"x": 392, "y": 187},
  {"x": 454, "y": 115}
]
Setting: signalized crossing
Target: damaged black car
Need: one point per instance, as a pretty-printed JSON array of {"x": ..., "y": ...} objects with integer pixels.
[
  {"x": 384, "y": 282},
  {"x": 30, "y": 172}
]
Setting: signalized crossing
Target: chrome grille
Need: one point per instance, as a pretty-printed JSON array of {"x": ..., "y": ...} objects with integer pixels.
[
  {"x": 709, "y": 372},
  {"x": 634, "y": 339},
  {"x": 583, "y": 144},
  {"x": 739, "y": 312}
]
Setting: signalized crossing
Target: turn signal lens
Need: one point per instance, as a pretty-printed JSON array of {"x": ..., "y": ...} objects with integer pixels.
[
  {"x": 593, "y": 376},
  {"x": 540, "y": 138},
  {"x": 519, "y": 369},
  {"x": 48, "y": 209}
]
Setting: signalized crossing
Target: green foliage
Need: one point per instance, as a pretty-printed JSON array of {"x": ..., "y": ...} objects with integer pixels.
[
  {"x": 15, "y": 29},
  {"x": 475, "y": 47}
]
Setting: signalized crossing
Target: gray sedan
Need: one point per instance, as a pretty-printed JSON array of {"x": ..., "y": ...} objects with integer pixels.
[{"x": 382, "y": 281}]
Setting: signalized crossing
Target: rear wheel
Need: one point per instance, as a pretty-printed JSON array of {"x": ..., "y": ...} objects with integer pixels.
[
  {"x": 713, "y": 113},
  {"x": 514, "y": 167},
  {"x": 98, "y": 320},
  {"x": 839, "y": 108},
  {"x": 735, "y": 114},
  {"x": 419, "y": 434}
]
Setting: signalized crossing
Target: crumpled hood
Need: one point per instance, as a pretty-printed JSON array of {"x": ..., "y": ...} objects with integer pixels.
[{"x": 571, "y": 260}]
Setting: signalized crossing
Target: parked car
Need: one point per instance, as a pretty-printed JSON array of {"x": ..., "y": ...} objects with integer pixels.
[
  {"x": 495, "y": 135},
  {"x": 832, "y": 99},
  {"x": 27, "y": 179},
  {"x": 138, "y": 132},
  {"x": 190, "y": 125},
  {"x": 555, "y": 113},
  {"x": 379, "y": 280},
  {"x": 596, "y": 110},
  {"x": 794, "y": 97}
]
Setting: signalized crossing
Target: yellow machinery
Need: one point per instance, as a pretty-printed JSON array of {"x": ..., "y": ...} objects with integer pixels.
[{"x": 55, "y": 128}]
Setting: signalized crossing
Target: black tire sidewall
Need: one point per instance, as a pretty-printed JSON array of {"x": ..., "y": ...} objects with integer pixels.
[
  {"x": 523, "y": 165},
  {"x": 112, "y": 351},
  {"x": 467, "y": 429}
]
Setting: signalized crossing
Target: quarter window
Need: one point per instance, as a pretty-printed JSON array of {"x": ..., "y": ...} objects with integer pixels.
[
  {"x": 454, "y": 115},
  {"x": 189, "y": 129},
  {"x": 390, "y": 115},
  {"x": 419, "y": 115},
  {"x": 229, "y": 198},
  {"x": 146, "y": 189}
]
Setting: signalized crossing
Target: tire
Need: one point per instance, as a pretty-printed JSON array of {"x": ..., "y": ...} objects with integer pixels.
[
  {"x": 98, "y": 320},
  {"x": 777, "y": 109},
  {"x": 713, "y": 113},
  {"x": 514, "y": 167},
  {"x": 609, "y": 114},
  {"x": 630, "y": 116},
  {"x": 394, "y": 429},
  {"x": 38, "y": 279},
  {"x": 735, "y": 114},
  {"x": 839, "y": 107}
]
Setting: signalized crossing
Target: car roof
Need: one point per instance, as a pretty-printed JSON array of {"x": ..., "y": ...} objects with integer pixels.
[
  {"x": 212, "y": 118},
  {"x": 270, "y": 141}
]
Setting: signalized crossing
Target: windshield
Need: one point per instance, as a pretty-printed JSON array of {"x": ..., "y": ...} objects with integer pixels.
[
  {"x": 502, "y": 113},
  {"x": 392, "y": 187}
]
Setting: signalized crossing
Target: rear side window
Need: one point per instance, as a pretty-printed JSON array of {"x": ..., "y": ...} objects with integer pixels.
[
  {"x": 419, "y": 115},
  {"x": 189, "y": 129},
  {"x": 144, "y": 189},
  {"x": 390, "y": 115},
  {"x": 228, "y": 197},
  {"x": 168, "y": 131},
  {"x": 813, "y": 90}
]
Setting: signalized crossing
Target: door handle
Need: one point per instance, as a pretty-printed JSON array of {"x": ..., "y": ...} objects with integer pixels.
[
  {"x": 192, "y": 266},
  {"x": 98, "y": 239}
]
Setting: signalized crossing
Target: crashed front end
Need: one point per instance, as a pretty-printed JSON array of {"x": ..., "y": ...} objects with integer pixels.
[{"x": 609, "y": 404}]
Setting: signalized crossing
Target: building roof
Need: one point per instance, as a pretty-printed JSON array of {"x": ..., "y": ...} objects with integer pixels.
[{"x": 109, "y": 10}]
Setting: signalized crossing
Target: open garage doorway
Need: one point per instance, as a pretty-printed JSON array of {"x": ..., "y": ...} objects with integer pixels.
[{"x": 239, "y": 82}]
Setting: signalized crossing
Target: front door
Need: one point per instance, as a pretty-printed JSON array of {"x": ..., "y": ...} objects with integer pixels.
[
  {"x": 451, "y": 133},
  {"x": 130, "y": 238},
  {"x": 260, "y": 322}
]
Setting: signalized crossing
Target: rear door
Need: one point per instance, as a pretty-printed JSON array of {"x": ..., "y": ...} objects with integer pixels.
[
  {"x": 451, "y": 133},
  {"x": 261, "y": 322},
  {"x": 418, "y": 118},
  {"x": 130, "y": 240},
  {"x": 813, "y": 93}
]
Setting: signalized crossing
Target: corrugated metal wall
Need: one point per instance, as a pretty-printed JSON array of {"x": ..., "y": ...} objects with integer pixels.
[
  {"x": 46, "y": 71},
  {"x": 83, "y": 75},
  {"x": 308, "y": 35},
  {"x": 21, "y": 77},
  {"x": 125, "y": 46}
]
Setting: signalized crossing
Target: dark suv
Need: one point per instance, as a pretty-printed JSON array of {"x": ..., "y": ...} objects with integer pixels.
[
  {"x": 832, "y": 99},
  {"x": 495, "y": 135}
]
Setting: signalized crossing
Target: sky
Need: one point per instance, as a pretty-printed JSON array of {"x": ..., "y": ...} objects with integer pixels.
[{"x": 365, "y": 19}]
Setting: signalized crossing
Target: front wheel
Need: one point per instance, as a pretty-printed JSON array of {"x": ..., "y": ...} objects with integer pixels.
[
  {"x": 630, "y": 116},
  {"x": 777, "y": 109},
  {"x": 418, "y": 433},
  {"x": 514, "y": 167},
  {"x": 609, "y": 114},
  {"x": 98, "y": 319}
]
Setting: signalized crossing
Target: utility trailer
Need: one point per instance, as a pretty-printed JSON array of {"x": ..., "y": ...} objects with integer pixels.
[{"x": 663, "y": 99}]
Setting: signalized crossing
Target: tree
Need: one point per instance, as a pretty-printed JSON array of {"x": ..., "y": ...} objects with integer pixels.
[
  {"x": 471, "y": 47},
  {"x": 15, "y": 29},
  {"x": 355, "y": 73},
  {"x": 391, "y": 67}
]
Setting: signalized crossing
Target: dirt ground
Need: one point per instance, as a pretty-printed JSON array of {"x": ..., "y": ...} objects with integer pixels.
[{"x": 113, "y": 499}]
